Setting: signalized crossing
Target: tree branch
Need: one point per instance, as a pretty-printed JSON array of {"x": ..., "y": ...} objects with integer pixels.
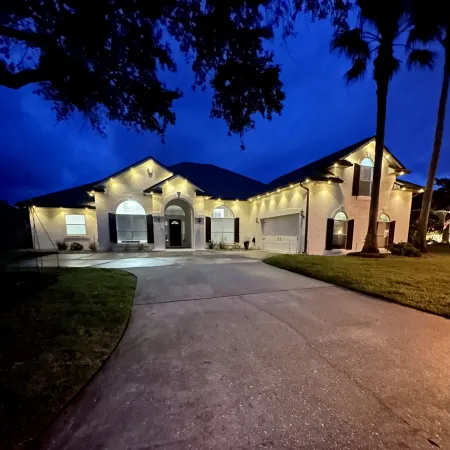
[
  {"x": 19, "y": 79},
  {"x": 31, "y": 38}
]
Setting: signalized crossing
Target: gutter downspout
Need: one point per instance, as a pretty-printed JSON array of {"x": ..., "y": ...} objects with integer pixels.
[{"x": 305, "y": 247}]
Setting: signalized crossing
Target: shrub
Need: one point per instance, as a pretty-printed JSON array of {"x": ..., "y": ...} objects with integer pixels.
[
  {"x": 93, "y": 246},
  {"x": 76, "y": 247},
  {"x": 222, "y": 245},
  {"x": 140, "y": 247},
  {"x": 61, "y": 245},
  {"x": 404, "y": 249},
  {"x": 211, "y": 245}
]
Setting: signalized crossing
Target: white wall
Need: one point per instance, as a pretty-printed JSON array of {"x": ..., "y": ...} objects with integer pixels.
[{"x": 52, "y": 221}]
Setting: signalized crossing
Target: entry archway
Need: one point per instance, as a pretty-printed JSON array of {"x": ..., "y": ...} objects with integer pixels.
[{"x": 178, "y": 224}]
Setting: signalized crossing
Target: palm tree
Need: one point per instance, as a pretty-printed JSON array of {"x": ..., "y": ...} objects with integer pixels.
[
  {"x": 431, "y": 21},
  {"x": 381, "y": 22}
]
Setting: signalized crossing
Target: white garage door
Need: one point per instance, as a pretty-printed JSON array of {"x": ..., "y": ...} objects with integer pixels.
[{"x": 280, "y": 234}]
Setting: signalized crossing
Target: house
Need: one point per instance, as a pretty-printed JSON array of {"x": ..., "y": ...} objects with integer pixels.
[{"x": 319, "y": 208}]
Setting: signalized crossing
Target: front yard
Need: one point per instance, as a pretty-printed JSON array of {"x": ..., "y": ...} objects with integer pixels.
[
  {"x": 56, "y": 329},
  {"x": 421, "y": 283}
]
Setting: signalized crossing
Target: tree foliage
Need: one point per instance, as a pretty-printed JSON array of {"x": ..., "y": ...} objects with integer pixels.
[{"x": 106, "y": 58}]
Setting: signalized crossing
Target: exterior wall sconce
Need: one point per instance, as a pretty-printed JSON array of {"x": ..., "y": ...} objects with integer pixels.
[
  {"x": 199, "y": 220},
  {"x": 150, "y": 173},
  {"x": 157, "y": 219},
  {"x": 178, "y": 194}
]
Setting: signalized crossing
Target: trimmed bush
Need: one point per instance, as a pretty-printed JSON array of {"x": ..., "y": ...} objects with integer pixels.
[
  {"x": 404, "y": 249},
  {"x": 76, "y": 246},
  {"x": 93, "y": 246},
  {"x": 211, "y": 245},
  {"x": 61, "y": 245}
]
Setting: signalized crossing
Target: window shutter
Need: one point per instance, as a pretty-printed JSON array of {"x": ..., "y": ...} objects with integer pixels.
[
  {"x": 329, "y": 235},
  {"x": 350, "y": 228},
  {"x": 236, "y": 230},
  {"x": 112, "y": 228},
  {"x": 391, "y": 232},
  {"x": 356, "y": 176},
  {"x": 150, "y": 230},
  {"x": 208, "y": 229}
]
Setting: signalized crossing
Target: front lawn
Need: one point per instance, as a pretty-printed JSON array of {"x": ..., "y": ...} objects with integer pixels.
[
  {"x": 421, "y": 283},
  {"x": 56, "y": 329}
]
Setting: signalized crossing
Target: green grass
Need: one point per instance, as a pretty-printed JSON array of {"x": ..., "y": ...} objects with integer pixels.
[
  {"x": 422, "y": 283},
  {"x": 56, "y": 329}
]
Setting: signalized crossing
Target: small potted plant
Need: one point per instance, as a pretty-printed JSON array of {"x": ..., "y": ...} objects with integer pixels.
[{"x": 246, "y": 242}]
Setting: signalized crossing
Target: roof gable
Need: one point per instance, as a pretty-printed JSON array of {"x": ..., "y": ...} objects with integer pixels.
[{"x": 320, "y": 167}]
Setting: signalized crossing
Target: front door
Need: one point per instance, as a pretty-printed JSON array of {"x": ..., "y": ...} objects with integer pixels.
[{"x": 175, "y": 232}]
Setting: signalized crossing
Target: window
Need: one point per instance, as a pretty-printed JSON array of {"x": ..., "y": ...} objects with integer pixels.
[
  {"x": 222, "y": 225},
  {"x": 366, "y": 177},
  {"x": 75, "y": 225},
  {"x": 340, "y": 230},
  {"x": 383, "y": 230},
  {"x": 131, "y": 222}
]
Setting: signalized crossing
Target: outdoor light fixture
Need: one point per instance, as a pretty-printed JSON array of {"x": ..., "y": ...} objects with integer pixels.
[
  {"x": 278, "y": 190},
  {"x": 421, "y": 190},
  {"x": 329, "y": 181},
  {"x": 151, "y": 192},
  {"x": 402, "y": 173},
  {"x": 178, "y": 194},
  {"x": 291, "y": 186},
  {"x": 218, "y": 199},
  {"x": 307, "y": 180},
  {"x": 259, "y": 197},
  {"x": 403, "y": 188},
  {"x": 149, "y": 173}
]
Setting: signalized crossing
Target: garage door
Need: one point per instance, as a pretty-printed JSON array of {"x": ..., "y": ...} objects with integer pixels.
[{"x": 280, "y": 234}]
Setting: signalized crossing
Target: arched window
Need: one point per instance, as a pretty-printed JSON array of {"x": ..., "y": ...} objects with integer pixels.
[
  {"x": 383, "y": 230},
  {"x": 222, "y": 225},
  {"x": 340, "y": 230},
  {"x": 131, "y": 222},
  {"x": 366, "y": 177}
]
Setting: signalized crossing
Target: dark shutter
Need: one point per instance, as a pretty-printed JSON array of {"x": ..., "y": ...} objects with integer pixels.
[
  {"x": 391, "y": 232},
  {"x": 150, "y": 230},
  {"x": 356, "y": 176},
  {"x": 350, "y": 228},
  {"x": 208, "y": 229},
  {"x": 112, "y": 228},
  {"x": 329, "y": 236},
  {"x": 236, "y": 229}
]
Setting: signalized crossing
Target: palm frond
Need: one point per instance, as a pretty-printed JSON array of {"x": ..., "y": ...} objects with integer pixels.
[
  {"x": 351, "y": 43},
  {"x": 423, "y": 33},
  {"x": 357, "y": 71},
  {"x": 421, "y": 58}
]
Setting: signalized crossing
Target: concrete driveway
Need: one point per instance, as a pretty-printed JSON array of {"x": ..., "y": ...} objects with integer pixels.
[{"x": 235, "y": 354}]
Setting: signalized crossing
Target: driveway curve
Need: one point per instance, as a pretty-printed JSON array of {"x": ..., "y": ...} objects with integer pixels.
[{"x": 230, "y": 353}]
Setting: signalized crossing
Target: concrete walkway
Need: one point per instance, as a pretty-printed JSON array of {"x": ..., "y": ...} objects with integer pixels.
[{"x": 241, "y": 355}]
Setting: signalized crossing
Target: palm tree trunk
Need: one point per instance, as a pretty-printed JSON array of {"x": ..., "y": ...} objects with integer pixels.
[
  {"x": 420, "y": 239},
  {"x": 371, "y": 244}
]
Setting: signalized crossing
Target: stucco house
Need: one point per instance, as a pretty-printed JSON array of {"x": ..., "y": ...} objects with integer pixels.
[{"x": 320, "y": 208}]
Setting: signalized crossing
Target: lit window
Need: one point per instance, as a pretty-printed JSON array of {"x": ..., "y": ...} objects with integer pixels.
[
  {"x": 340, "y": 230},
  {"x": 366, "y": 177},
  {"x": 383, "y": 230},
  {"x": 75, "y": 225},
  {"x": 131, "y": 222},
  {"x": 222, "y": 225}
]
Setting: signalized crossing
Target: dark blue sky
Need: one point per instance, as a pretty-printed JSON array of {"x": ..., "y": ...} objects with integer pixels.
[{"x": 321, "y": 115}]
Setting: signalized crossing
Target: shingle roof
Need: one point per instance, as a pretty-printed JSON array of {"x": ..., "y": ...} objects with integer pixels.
[
  {"x": 316, "y": 168},
  {"x": 75, "y": 197},
  {"x": 213, "y": 180},
  {"x": 218, "y": 182}
]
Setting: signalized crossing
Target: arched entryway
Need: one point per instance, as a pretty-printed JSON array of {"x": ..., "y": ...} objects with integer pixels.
[
  {"x": 131, "y": 222},
  {"x": 178, "y": 221}
]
